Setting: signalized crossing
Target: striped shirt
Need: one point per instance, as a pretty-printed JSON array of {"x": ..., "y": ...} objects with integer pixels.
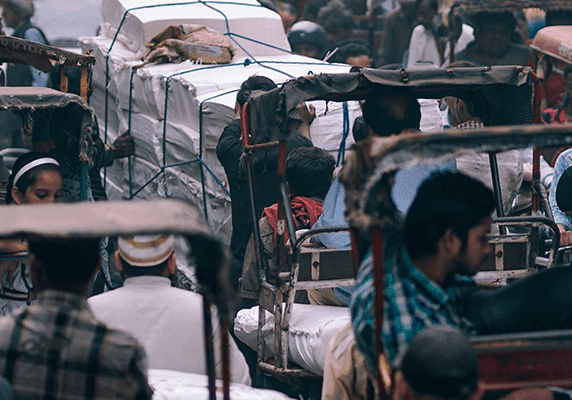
[
  {"x": 412, "y": 303},
  {"x": 56, "y": 349}
]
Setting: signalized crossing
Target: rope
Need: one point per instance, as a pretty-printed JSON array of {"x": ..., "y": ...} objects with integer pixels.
[{"x": 346, "y": 132}]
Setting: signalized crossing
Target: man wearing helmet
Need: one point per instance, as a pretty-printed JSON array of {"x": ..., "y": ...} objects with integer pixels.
[{"x": 308, "y": 39}]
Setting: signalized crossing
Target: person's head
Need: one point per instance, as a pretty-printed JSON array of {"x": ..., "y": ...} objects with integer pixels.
[
  {"x": 337, "y": 20},
  {"x": 35, "y": 179},
  {"x": 439, "y": 363},
  {"x": 426, "y": 11},
  {"x": 309, "y": 171},
  {"x": 64, "y": 264},
  {"x": 146, "y": 255},
  {"x": 308, "y": 39},
  {"x": 450, "y": 215},
  {"x": 15, "y": 12},
  {"x": 354, "y": 53},
  {"x": 493, "y": 32},
  {"x": 407, "y": 7},
  {"x": 252, "y": 84},
  {"x": 391, "y": 111}
]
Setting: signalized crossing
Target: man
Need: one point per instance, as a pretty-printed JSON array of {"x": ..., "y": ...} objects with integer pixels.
[
  {"x": 560, "y": 198},
  {"x": 56, "y": 348},
  {"x": 308, "y": 39},
  {"x": 445, "y": 241},
  {"x": 229, "y": 151},
  {"x": 17, "y": 14},
  {"x": 309, "y": 175},
  {"x": 445, "y": 237},
  {"x": 166, "y": 320},
  {"x": 464, "y": 114},
  {"x": 439, "y": 364},
  {"x": 398, "y": 26},
  {"x": 493, "y": 41}
]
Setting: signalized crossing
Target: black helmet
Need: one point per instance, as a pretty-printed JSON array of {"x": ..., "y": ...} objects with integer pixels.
[{"x": 310, "y": 34}]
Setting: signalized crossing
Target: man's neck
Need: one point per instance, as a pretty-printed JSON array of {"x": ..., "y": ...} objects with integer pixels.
[{"x": 434, "y": 268}]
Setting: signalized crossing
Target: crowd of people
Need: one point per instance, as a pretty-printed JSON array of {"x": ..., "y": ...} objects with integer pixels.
[{"x": 55, "y": 342}]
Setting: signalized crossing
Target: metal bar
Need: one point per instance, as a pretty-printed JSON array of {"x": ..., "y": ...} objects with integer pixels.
[
  {"x": 497, "y": 189},
  {"x": 226, "y": 361},
  {"x": 209, "y": 349},
  {"x": 129, "y": 163}
]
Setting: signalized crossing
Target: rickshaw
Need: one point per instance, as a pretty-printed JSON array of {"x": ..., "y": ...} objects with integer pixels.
[
  {"x": 64, "y": 120},
  {"x": 206, "y": 253},
  {"x": 508, "y": 97}
]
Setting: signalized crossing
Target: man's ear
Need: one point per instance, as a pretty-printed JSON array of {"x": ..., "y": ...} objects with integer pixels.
[
  {"x": 172, "y": 264},
  {"x": 117, "y": 258},
  {"x": 450, "y": 243},
  {"x": 401, "y": 389}
]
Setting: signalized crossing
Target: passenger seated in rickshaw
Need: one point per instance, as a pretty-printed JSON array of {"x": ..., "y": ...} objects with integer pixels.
[
  {"x": 427, "y": 261},
  {"x": 309, "y": 175},
  {"x": 56, "y": 348},
  {"x": 561, "y": 198},
  {"x": 35, "y": 179},
  {"x": 493, "y": 41},
  {"x": 166, "y": 320},
  {"x": 464, "y": 114}
]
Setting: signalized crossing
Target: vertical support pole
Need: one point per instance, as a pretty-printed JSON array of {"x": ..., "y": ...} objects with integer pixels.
[
  {"x": 84, "y": 82},
  {"x": 129, "y": 163},
  {"x": 281, "y": 222},
  {"x": 497, "y": 189},
  {"x": 63, "y": 78},
  {"x": 209, "y": 352},
  {"x": 224, "y": 344}
]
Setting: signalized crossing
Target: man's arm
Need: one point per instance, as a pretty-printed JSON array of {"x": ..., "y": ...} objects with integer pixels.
[
  {"x": 39, "y": 78},
  {"x": 564, "y": 223}
]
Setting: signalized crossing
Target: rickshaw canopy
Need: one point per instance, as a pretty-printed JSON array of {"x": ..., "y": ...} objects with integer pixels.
[
  {"x": 505, "y": 92},
  {"x": 40, "y": 56},
  {"x": 554, "y": 41}
]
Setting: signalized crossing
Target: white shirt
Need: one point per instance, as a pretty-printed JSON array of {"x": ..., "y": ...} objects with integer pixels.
[
  {"x": 168, "y": 322},
  {"x": 423, "y": 50}
]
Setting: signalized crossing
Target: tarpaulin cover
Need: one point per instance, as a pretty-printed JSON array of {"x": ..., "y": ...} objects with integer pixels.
[{"x": 505, "y": 91}]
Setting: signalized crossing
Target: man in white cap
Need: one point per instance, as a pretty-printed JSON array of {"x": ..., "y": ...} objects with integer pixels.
[{"x": 166, "y": 320}]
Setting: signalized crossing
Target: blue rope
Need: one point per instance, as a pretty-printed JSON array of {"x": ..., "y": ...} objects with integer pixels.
[{"x": 346, "y": 132}]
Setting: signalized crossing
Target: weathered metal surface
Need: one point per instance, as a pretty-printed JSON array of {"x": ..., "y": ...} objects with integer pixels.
[
  {"x": 101, "y": 219},
  {"x": 40, "y": 56}
]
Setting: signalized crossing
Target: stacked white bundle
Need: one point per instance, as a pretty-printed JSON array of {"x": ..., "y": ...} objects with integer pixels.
[
  {"x": 311, "y": 328},
  {"x": 188, "y": 131},
  {"x": 174, "y": 385}
]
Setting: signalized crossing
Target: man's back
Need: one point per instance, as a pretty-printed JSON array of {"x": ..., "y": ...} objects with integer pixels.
[
  {"x": 168, "y": 323},
  {"x": 56, "y": 349}
]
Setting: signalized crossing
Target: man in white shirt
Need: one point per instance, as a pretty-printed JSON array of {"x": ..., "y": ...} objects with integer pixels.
[{"x": 167, "y": 321}]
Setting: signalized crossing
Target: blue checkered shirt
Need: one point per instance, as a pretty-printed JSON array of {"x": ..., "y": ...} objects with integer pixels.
[{"x": 412, "y": 303}]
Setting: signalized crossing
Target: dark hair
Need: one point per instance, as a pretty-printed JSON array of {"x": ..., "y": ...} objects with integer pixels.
[
  {"x": 130, "y": 270},
  {"x": 391, "y": 111},
  {"x": 67, "y": 260},
  {"x": 253, "y": 83},
  {"x": 309, "y": 171},
  {"x": 359, "y": 130},
  {"x": 432, "y": 3},
  {"x": 504, "y": 17},
  {"x": 351, "y": 48},
  {"x": 564, "y": 191},
  {"x": 448, "y": 200},
  {"x": 29, "y": 178},
  {"x": 335, "y": 15}
]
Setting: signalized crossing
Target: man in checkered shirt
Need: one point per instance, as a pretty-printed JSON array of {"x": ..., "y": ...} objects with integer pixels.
[{"x": 56, "y": 348}]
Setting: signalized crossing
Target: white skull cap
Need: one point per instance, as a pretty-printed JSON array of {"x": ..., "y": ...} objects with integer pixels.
[{"x": 145, "y": 250}]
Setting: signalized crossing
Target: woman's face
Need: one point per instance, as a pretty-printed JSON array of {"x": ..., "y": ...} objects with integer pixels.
[{"x": 46, "y": 189}]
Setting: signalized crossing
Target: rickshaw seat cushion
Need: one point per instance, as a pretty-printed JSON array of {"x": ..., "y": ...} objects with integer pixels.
[{"x": 311, "y": 328}]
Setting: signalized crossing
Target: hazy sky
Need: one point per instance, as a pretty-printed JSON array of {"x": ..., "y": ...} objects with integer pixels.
[{"x": 67, "y": 18}]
